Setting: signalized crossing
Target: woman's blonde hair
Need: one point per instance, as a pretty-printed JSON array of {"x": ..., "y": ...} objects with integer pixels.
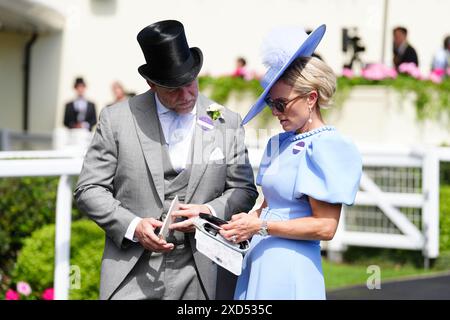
[{"x": 306, "y": 74}]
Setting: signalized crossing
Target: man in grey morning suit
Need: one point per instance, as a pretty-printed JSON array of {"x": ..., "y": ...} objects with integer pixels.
[{"x": 149, "y": 149}]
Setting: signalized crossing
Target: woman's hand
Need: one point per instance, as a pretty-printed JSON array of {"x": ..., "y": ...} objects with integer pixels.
[{"x": 241, "y": 227}]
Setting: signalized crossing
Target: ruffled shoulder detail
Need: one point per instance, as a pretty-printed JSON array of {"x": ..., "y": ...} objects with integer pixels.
[{"x": 330, "y": 169}]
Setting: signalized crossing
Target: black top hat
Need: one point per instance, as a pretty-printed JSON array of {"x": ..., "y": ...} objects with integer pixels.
[
  {"x": 79, "y": 81},
  {"x": 170, "y": 61}
]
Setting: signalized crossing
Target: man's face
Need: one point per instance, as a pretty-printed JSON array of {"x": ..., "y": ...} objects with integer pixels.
[
  {"x": 181, "y": 100},
  {"x": 399, "y": 38},
  {"x": 80, "y": 90}
]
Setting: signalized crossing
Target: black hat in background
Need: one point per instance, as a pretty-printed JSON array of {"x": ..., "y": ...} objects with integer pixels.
[
  {"x": 79, "y": 81},
  {"x": 170, "y": 61}
]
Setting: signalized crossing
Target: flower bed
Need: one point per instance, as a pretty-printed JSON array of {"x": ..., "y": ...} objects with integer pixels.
[{"x": 432, "y": 92}]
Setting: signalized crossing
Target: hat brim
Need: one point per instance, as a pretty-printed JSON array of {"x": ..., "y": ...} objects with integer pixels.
[
  {"x": 179, "y": 81},
  {"x": 306, "y": 50}
]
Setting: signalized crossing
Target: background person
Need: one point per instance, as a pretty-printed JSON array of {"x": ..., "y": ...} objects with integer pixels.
[
  {"x": 403, "y": 51},
  {"x": 80, "y": 113},
  {"x": 441, "y": 60}
]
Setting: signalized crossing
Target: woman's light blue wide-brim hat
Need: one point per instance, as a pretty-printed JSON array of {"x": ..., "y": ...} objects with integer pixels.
[{"x": 280, "y": 49}]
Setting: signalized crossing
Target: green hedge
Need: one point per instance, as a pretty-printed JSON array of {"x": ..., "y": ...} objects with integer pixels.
[
  {"x": 222, "y": 87},
  {"x": 35, "y": 262},
  {"x": 432, "y": 100},
  {"x": 444, "y": 171},
  {"x": 444, "y": 221},
  {"x": 26, "y": 204}
]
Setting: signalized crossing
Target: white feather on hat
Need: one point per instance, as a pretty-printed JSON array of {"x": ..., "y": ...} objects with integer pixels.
[
  {"x": 279, "y": 49},
  {"x": 280, "y": 44}
]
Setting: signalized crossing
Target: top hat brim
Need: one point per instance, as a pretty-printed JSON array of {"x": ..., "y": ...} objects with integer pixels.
[
  {"x": 305, "y": 50},
  {"x": 180, "y": 80}
]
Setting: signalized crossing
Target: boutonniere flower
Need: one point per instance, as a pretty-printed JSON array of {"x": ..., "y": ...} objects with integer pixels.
[{"x": 214, "y": 111}]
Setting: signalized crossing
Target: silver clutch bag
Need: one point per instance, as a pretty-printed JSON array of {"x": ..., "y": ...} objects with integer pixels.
[{"x": 227, "y": 254}]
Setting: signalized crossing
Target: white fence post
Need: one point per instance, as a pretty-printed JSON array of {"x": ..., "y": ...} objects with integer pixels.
[
  {"x": 430, "y": 214},
  {"x": 62, "y": 238}
]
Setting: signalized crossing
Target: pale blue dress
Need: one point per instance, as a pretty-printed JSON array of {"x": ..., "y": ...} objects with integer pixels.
[{"x": 321, "y": 164}]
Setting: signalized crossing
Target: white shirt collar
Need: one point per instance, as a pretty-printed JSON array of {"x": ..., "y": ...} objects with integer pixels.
[
  {"x": 80, "y": 98},
  {"x": 402, "y": 47}
]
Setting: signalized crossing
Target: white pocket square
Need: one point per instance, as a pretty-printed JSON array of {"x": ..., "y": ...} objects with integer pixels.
[{"x": 217, "y": 154}]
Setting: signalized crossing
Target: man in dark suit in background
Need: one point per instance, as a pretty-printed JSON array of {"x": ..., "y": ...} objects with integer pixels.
[
  {"x": 80, "y": 113},
  {"x": 403, "y": 51}
]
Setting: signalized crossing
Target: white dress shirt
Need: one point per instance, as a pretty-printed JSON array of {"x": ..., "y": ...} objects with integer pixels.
[
  {"x": 178, "y": 130},
  {"x": 80, "y": 105}
]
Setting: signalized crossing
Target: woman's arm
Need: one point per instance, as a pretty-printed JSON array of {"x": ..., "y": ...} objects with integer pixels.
[{"x": 321, "y": 225}]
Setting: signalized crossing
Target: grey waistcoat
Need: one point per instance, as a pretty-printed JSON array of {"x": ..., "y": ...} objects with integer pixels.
[{"x": 172, "y": 275}]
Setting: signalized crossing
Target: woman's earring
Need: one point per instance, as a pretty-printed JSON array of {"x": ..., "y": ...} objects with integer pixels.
[{"x": 310, "y": 112}]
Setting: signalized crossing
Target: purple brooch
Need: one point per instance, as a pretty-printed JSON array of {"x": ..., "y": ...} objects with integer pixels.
[
  {"x": 205, "y": 123},
  {"x": 298, "y": 147}
]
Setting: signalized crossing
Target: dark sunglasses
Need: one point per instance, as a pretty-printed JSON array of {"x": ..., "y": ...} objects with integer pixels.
[{"x": 279, "y": 104}]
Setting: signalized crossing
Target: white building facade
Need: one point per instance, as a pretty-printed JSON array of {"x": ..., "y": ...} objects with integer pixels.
[{"x": 96, "y": 39}]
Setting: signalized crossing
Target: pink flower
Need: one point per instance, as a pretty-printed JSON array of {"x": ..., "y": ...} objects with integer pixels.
[
  {"x": 23, "y": 288},
  {"x": 372, "y": 74},
  {"x": 436, "y": 78},
  {"x": 406, "y": 67},
  {"x": 12, "y": 295},
  {"x": 48, "y": 294},
  {"x": 348, "y": 73},
  {"x": 416, "y": 74},
  {"x": 378, "y": 71},
  {"x": 439, "y": 72},
  {"x": 391, "y": 73},
  {"x": 411, "y": 69}
]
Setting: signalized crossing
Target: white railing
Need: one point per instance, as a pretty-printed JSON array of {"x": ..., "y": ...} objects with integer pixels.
[
  {"x": 9, "y": 138},
  {"x": 71, "y": 140},
  {"x": 415, "y": 176},
  {"x": 66, "y": 165}
]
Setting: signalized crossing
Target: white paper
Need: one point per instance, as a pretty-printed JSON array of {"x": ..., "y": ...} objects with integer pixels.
[
  {"x": 219, "y": 253},
  {"x": 174, "y": 206}
]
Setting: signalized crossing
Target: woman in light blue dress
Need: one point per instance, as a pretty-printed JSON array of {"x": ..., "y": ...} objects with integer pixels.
[{"x": 306, "y": 174}]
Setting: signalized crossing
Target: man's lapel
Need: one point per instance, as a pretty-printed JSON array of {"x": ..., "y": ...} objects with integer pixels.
[
  {"x": 204, "y": 142},
  {"x": 144, "y": 111}
]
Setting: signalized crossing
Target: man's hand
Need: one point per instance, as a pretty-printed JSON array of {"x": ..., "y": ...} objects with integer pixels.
[
  {"x": 190, "y": 212},
  {"x": 145, "y": 232}
]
